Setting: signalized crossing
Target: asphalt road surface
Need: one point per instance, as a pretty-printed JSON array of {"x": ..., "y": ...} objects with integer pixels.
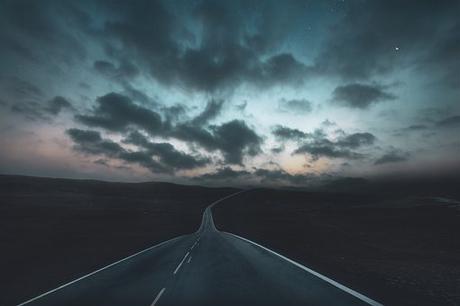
[{"x": 207, "y": 267}]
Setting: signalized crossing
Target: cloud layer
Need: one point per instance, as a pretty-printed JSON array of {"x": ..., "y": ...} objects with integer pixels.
[{"x": 264, "y": 92}]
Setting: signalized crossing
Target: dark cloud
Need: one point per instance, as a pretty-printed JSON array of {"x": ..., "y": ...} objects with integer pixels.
[
  {"x": 286, "y": 133},
  {"x": 212, "y": 110},
  {"x": 411, "y": 129},
  {"x": 37, "y": 31},
  {"x": 20, "y": 89},
  {"x": 228, "y": 57},
  {"x": 377, "y": 37},
  {"x": 356, "y": 140},
  {"x": 31, "y": 109},
  {"x": 194, "y": 134},
  {"x": 453, "y": 121},
  {"x": 102, "y": 161},
  {"x": 392, "y": 157},
  {"x": 57, "y": 104},
  {"x": 29, "y": 18},
  {"x": 157, "y": 157},
  {"x": 143, "y": 158},
  {"x": 91, "y": 142},
  {"x": 277, "y": 150},
  {"x": 145, "y": 27},
  {"x": 223, "y": 174},
  {"x": 116, "y": 112},
  {"x": 223, "y": 54},
  {"x": 283, "y": 69},
  {"x": 416, "y": 127},
  {"x": 126, "y": 70},
  {"x": 166, "y": 153},
  {"x": 234, "y": 139},
  {"x": 295, "y": 106},
  {"x": 138, "y": 95},
  {"x": 358, "y": 95},
  {"x": 210, "y": 69},
  {"x": 444, "y": 57},
  {"x": 210, "y": 45},
  {"x": 149, "y": 51},
  {"x": 84, "y": 85},
  {"x": 17, "y": 48},
  {"x": 37, "y": 110},
  {"x": 326, "y": 149},
  {"x": 27, "y": 99},
  {"x": 105, "y": 67},
  {"x": 320, "y": 146},
  {"x": 174, "y": 113}
]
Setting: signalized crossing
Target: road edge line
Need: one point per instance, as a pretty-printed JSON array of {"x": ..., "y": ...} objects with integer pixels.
[
  {"x": 325, "y": 278},
  {"x": 210, "y": 206},
  {"x": 99, "y": 270}
]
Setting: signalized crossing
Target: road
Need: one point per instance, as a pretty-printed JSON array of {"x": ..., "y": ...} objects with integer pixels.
[{"x": 208, "y": 267}]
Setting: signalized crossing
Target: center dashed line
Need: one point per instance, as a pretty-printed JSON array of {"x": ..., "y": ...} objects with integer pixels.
[
  {"x": 180, "y": 264},
  {"x": 196, "y": 242},
  {"x": 158, "y": 297},
  {"x": 187, "y": 256}
]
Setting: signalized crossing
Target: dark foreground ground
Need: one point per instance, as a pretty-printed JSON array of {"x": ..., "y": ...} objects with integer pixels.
[
  {"x": 398, "y": 249},
  {"x": 206, "y": 268},
  {"x": 53, "y": 230}
]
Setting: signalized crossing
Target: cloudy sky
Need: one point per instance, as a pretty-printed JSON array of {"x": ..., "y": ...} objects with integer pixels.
[{"x": 230, "y": 92}]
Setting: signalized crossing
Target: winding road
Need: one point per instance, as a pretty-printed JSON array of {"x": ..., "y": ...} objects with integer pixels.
[{"x": 208, "y": 267}]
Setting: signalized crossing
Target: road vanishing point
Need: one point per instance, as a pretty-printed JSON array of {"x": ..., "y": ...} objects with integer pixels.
[{"x": 208, "y": 267}]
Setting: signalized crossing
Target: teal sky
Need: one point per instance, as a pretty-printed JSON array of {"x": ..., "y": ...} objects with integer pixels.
[{"x": 230, "y": 92}]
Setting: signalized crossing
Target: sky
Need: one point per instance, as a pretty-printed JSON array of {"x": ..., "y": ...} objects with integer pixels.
[{"x": 230, "y": 92}]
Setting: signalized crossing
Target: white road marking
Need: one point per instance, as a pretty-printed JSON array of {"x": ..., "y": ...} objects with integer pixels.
[
  {"x": 194, "y": 245},
  {"x": 204, "y": 221},
  {"x": 158, "y": 297},
  {"x": 101, "y": 269},
  {"x": 330, "y": 281},
  {"x": 189, "y": 259},
  {"x": 180, "y": 264},
  {"x": 121, "y": 260}
]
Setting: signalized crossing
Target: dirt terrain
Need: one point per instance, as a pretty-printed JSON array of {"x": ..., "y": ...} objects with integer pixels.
[
  {"x": 399, "y": 250},
  {"x": 399, "y": 247}
]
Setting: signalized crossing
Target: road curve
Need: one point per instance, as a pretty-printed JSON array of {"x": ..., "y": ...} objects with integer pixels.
[{"x": 207, "y": 267}]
